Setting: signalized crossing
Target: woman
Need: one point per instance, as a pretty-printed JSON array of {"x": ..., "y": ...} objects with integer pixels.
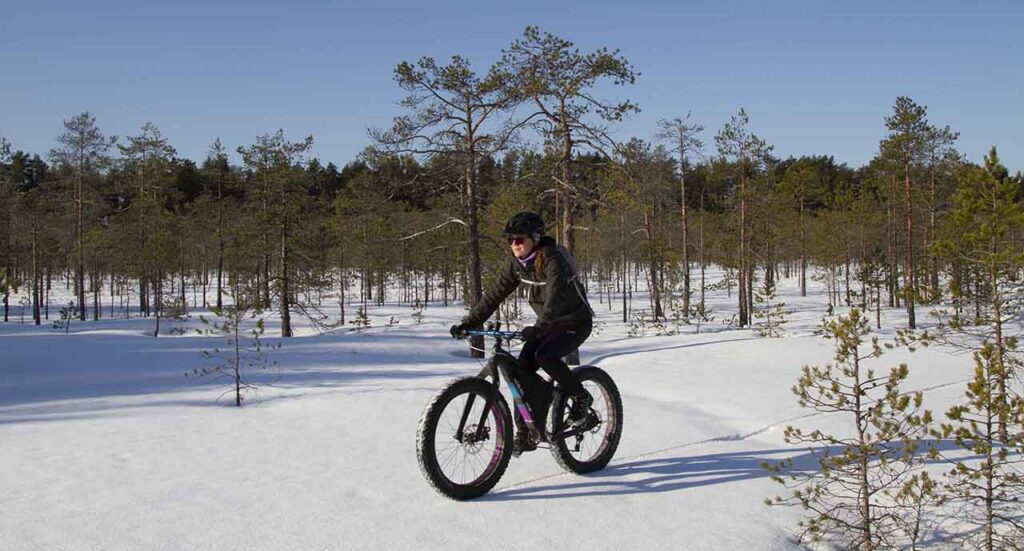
[{"x": 564, "y": 317}]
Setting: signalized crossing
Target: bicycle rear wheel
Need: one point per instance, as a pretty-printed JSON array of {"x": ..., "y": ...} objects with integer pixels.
[
  {"x": 467, "y": 465},
  {"x": 593, "y": 448}
]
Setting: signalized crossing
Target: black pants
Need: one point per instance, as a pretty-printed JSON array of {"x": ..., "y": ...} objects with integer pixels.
[{"x": 546, "y": 352}]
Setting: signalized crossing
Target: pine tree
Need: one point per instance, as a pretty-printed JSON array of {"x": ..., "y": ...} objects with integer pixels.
[
  {"x": 147, "y": 159},
  {"x": 452, "y": 117},
  {"x": 560, "y": 81},
  {"x": 907, "y": 141},
  {"x": 802, "y": 183},
  {"x": 985, "y": 227},
  {"x": 647, "y": 171},
  {"x": 218, "y": 176},
  {"x": 277, "y": 165},
  {"x": 941, "y": 157},
  {"x": 82, "y": 152},
  {"x": 850, "y": 495},
  {"x": 992, "y": 489},
  {"x": 7, "y": 186},
  {"x": 736, "y": 142},
  {"x": 681, "y": 137}
]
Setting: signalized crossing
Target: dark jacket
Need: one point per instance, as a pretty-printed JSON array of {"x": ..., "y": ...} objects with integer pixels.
[{"x": 555, "y": 292}]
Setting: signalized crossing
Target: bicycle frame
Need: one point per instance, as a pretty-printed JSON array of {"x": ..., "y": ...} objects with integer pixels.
[{"x": 498, "y": 367}]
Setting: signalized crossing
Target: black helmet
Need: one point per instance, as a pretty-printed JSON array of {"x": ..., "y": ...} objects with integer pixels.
[{"x": 525, "y": 223}]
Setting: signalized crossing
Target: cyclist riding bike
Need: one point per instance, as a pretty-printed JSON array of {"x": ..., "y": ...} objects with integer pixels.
[{"x": 564, "y": 317}]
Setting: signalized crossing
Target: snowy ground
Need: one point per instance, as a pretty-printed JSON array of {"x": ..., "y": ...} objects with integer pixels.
[{"x": 105, "y": 444}]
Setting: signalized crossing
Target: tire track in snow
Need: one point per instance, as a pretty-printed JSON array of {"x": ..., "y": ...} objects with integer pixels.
[
  {"x": 601, "y": 357},
  {"x": 735, "y": 437}
]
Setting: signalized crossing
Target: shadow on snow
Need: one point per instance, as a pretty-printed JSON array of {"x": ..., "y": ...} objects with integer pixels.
[{"x": 673, "y": 474}]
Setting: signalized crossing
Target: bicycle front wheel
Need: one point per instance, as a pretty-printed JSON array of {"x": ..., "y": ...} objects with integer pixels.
[{"x": 467, "y": 464}]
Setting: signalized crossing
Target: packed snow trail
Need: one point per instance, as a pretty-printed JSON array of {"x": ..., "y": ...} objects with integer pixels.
[
  {"x": 620, "y": 462},
  {"x": 105, "y": 444}
]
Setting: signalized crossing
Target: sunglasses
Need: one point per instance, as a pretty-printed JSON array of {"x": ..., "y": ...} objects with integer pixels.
[{"x": 517, "y": 239}]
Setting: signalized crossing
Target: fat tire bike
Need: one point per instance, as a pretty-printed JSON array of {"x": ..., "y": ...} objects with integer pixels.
[{"x": 464, "y": 440}]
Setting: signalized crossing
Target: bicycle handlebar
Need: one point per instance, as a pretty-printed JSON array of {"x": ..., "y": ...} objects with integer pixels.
[{"x": 483, "y": 333}]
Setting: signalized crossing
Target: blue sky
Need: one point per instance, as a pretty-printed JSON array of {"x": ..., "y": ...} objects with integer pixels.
[{"x": 815, "y": 77}]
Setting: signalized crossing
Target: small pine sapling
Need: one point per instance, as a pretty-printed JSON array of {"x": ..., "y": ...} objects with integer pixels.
[
  {"x": 641, "y": 326},
  {"x": 695, "y": 314},
  {"x": 770, "y": 314},
  {"x": 992, "y": 488},
  {"x": 174, "y": 309},
  {"x": 873, "y": 275},
  {"x": 361, "y": 320},
  {"x": 67, "y": 313},
  {"x": 244, "y": 349},
  {"x": 701, "y": 315},
  {"x": 417, "y": 311},
  {"x": 24, "y": 303},
  {"x": 851, "y": 492},
  {"x": 727, "y": 282},
  {"x": 638, "y": 326},
  {"x": 919, "y": 496}
]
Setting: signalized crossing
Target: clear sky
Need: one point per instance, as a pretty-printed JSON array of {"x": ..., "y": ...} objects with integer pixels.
[{"x": 816, "y": 77}]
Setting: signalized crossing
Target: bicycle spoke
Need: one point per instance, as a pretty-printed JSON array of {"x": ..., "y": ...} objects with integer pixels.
[{"x": 466, "y": 462}]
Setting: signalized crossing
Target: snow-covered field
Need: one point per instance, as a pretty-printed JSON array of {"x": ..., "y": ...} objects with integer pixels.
[{"x": 105, "y": 444}]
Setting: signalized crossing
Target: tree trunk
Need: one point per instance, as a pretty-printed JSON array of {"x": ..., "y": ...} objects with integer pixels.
[
  {"x": 742, "y": 271},
  {"x": 36, "y": 278},
  {"x": 909, "y": 283},
  {"x": 803, "y": 250},
  {"x": 49, "y": 284},
  {"x": 266, "y": 241},
  {"x": 158, "y": 299},
  {"x": 625, "y": 268},
  {"x": 444, "y": 278},
  {"x": 220, "y": 244},
  {"x": 686, "y": 240},
  {"x": 893, "y": 269},
  {"x": 747, "y": 277},
  {"x": 473, "y": 231},
  {"x": 701, "y": 256},
  {"x": 181, "y": 271},
  {"x": 655, "y": 291},
  {"x": 204, "y": 272},
  {"x": 96, "y": 284},
  {"x": 863, "y": 490},
  {"x": 284, "y": 290},
  {"x": 936, "y": 292},
  {"x": 569, "y": 194},
  {"x": 846, "y": 274},
  {"x": 997, "y": 322},
  {"x": 79, "y": 243}
]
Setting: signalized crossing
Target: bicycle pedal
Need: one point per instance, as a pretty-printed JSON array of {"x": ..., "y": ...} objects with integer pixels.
[{"x": 521, "y": 445}]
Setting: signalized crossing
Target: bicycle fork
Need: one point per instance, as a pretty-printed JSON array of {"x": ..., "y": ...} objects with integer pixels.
[{"x": 496, "y": 369}]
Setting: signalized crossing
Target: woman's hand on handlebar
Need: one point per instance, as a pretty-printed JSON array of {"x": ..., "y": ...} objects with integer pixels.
[{"x": 458, "y": 331}]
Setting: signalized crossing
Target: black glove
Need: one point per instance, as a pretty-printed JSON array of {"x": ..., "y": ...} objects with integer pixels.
[
  {"x": 530, "y": 332},
  {"x": 458, "y": 330}
]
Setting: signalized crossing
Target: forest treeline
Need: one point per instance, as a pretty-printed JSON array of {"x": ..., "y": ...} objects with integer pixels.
[{"x": 135, "y": 229}]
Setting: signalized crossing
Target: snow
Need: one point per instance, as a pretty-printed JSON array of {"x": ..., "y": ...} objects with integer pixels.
[{"x": 106, "y": 444}]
